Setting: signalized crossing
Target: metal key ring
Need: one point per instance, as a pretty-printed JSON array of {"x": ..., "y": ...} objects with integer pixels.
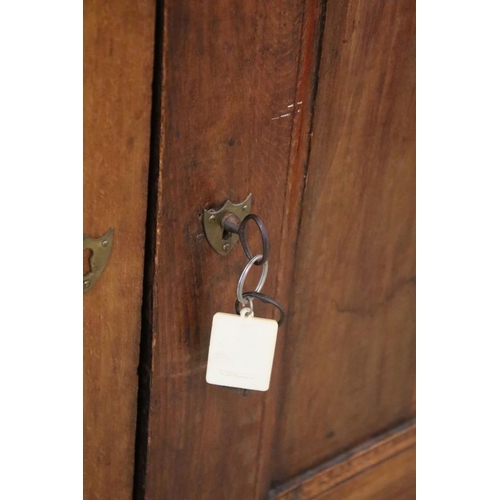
[
  {"x": 266, "y": 245},
  {"x": 241, "y": 281},
  {"x": 264, "y": 298}
]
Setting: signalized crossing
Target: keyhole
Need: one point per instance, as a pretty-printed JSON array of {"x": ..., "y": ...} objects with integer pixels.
[{"x": 87, "y": 253}]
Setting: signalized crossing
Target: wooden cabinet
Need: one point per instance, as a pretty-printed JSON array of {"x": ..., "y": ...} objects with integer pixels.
[{"x": 310, "y": 106}]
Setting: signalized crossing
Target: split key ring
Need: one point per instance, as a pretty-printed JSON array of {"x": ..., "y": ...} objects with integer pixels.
[{"x": 260, "y": 284}]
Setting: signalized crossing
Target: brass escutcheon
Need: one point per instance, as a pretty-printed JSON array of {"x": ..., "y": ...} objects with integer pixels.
[
  {"x": 101, "y": 250},
  {"x": 223, "y": 241}
]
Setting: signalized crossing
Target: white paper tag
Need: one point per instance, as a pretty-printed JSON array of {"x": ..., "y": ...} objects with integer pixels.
[{"x": 241, "y": 351}]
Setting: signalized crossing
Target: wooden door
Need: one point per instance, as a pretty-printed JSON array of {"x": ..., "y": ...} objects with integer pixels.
[
  {"x": 118, "y": 70},
  {"x": 310, "y": 106}
]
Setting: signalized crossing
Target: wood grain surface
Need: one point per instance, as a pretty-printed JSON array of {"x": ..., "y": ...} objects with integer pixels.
[
  {"x": 327, "y": 480},
  {"x": 349, "y": 360},
  {"x": 389, "y": 480},
  {"x": 311, "y": 37},
  {"x": 234, "y": 119},
  {"x": 118, "y": 66}
]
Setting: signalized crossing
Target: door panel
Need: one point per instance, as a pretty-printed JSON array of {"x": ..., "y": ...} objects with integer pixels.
[
  {"x": 234, "y": 80},
  {"x": 349, "y": 361},
  {"x": 118, "y": 68},
  {"x": 235, "y": 105}
]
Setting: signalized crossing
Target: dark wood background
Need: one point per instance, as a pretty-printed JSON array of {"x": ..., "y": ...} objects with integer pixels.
[{"x": 310, "y": 106}]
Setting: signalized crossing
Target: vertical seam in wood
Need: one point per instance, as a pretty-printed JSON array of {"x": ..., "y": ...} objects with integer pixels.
[
  {"x": 145, "y": 356},
  {"x": 311, "y": 127},
  {"x": 289, "y": 167},
  {"x": 319, "y": 49},
  {"x": 293, "y": 129}
]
